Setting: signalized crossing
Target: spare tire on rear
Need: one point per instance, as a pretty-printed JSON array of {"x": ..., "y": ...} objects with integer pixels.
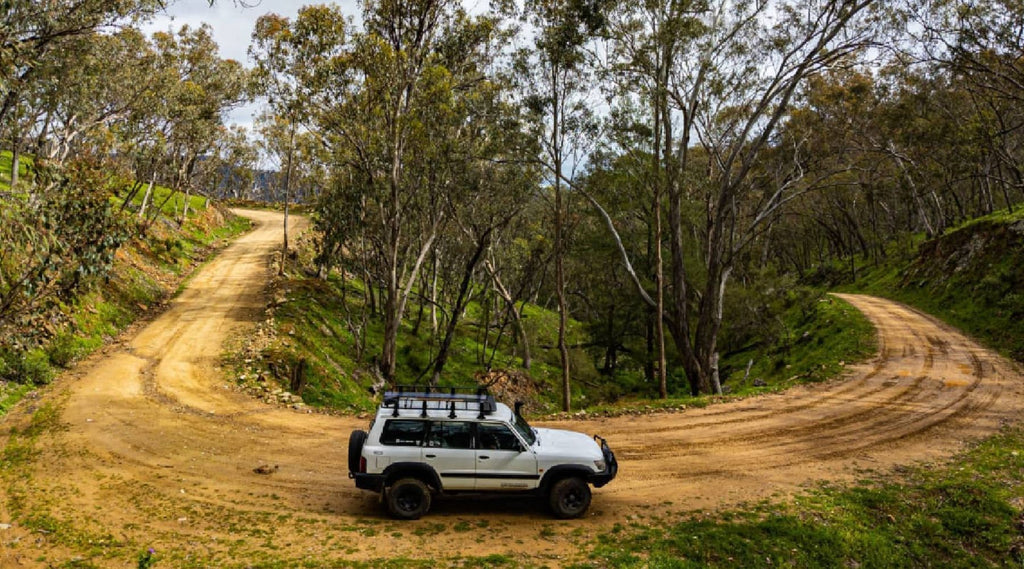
[{"x": 355, "y": 449}]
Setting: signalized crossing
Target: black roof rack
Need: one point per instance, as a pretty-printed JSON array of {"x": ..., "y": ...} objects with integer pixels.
[{"x": 449, "y": 399}]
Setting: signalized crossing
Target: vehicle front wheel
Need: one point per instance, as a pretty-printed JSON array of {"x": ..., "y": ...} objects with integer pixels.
[
  {"x": 408, "y": 499},
  {"x": 569, "y": 498}
]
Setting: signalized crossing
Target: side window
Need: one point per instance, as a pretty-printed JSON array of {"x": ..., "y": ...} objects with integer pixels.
[
  {"x": 496, "y": 436},
  {"x": 450, "y": 434},
  {"x": 403, "y": 432}
]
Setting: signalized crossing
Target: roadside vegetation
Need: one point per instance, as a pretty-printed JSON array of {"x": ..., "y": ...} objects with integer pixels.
[
  {"x": 965, "y": 512},
  {"x": 320, "y": 337},
  {"x": 972, "y": 277},
  {"x": 144, "y": 272}
]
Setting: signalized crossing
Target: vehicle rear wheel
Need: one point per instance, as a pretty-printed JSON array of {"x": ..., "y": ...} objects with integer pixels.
[
  {"x": 355, "y": 449},
  {"x": 569, "y": 497},
  {"x": 408, "y": 499}
]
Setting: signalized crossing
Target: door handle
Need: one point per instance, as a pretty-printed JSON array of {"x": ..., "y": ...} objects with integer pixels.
[
  {"x": 430, "y": 455},
  {"x": 484, "y": 457}
]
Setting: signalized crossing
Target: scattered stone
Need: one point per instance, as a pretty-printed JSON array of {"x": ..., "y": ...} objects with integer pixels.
[
  {"x": 5, "y": 526},
  {"x": 760, "y": 382},
  {"x": 265, "y": 469}
]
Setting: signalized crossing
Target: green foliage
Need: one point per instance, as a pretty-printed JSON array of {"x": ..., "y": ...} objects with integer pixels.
[
  {"x": 147, "y": 559},
  {"x": 960, "y": 515},
  {"x": 54, "y": 244},
  {"x": 30, "y": 367}
]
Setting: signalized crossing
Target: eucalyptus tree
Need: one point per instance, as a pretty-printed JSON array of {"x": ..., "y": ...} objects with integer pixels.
[
  {"x": 491, "y": 182},
  {"x": 33, "y": 31},
  {"x": 205, "y": 87},
  {"x": 290, "y": 58},
  {"x": 402, "y": 109},
  {"x": 554, "y": 79},
  {"x": 977, "y": 45},
  {"x": 734, "y": 71}
]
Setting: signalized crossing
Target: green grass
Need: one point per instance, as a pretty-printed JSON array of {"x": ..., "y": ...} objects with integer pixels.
[
  {"x": 6, "y": 167},
  {"x": 971, "y": 277},
  {"x": 312, "y": 327},
  {"x": 818, "y": 341},
  {"x": 964, "y": 514}
]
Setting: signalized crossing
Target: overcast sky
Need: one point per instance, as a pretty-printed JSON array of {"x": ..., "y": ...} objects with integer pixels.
[{"x": 232, "y": 23}]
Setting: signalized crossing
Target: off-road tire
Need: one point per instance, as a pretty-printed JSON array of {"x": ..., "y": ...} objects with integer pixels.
[
  {"x": 355, "y": 449},
  {"x": 408, "y": 499},
  {"x": 569, "y": 498}
]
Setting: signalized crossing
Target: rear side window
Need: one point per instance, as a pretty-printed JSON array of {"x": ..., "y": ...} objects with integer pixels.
[
  {"x": 451, "y": 434},
  {"x": 403, "y": 432}
]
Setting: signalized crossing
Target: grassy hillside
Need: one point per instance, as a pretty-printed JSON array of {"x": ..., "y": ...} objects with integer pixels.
[
  {"x": 316, "y": 343},
  {"x": 971, "y": 277}
]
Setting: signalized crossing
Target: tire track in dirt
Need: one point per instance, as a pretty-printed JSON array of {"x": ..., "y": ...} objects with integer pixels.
[{"x": 158, "y": 449}]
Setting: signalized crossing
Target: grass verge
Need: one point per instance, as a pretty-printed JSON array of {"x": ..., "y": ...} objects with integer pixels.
[{"x": 963, "y": 514}]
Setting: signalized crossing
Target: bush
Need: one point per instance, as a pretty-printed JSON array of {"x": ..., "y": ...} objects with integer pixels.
[
  {"x": 64, "y": 349},
  {"x": 31, "y": 367}
]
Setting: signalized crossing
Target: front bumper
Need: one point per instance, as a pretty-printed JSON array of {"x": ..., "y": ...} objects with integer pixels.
[{"x": 611, "y": 466}]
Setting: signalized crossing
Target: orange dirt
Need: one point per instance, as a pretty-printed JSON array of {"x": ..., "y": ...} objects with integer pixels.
[{"x": 158, "y": 449}]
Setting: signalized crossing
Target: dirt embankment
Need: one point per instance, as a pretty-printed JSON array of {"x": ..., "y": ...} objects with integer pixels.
[{"x": 155, "y": 448}]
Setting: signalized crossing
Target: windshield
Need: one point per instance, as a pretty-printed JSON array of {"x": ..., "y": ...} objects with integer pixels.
[{"x": 523, "y": 428}]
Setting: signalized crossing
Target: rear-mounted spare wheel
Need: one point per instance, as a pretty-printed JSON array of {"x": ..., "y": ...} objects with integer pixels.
[{"x": 355, "y": 449}]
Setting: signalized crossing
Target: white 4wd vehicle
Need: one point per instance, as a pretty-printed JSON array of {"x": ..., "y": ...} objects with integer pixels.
[{"x": 424, "y": 442}]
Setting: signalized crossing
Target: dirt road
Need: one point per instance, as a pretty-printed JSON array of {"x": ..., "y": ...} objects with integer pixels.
[{"x": 156, "y": 448}]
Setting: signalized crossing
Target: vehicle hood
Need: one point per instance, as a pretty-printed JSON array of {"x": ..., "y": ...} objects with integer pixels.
[{"x": 567, "y": 443}]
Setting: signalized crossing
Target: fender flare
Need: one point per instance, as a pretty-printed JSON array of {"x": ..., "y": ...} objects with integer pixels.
[
  {"x": 556, "y": 473},
  {"x": 424, "y": 472}
]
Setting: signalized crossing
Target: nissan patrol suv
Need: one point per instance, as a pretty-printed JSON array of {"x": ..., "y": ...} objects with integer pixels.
[{"x": 425, "y": 442}]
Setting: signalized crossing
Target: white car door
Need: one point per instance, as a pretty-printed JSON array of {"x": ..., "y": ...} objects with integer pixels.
[
  {"x": 503, "y": 462},
  {"x": 449, "y": 450}
]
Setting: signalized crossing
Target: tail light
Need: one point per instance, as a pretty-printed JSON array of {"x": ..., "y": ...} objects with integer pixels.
[{"x": 362, "y": 464}]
